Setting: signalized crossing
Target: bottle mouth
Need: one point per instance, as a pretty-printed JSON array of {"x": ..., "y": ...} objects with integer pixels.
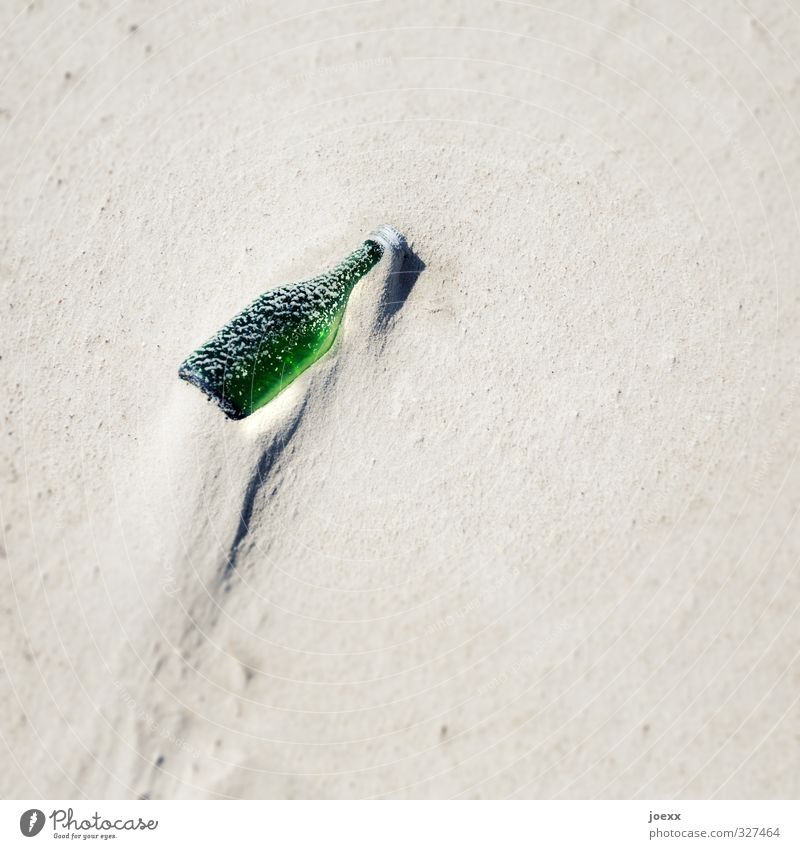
[
  {"x": 390, "y": 237},
  {"x": 196, "y": 377}
]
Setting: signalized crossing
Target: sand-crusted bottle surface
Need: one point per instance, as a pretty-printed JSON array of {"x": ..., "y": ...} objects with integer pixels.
[{"x": 267, "y": 345}]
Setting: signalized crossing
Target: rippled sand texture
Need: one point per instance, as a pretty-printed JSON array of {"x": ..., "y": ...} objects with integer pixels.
[{"x": 530, "y": 528}]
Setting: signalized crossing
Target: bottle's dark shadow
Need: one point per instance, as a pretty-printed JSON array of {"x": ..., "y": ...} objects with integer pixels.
[{"x": 399, "y": 286}]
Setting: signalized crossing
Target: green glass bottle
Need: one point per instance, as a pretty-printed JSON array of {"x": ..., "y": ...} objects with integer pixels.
[{"x": 267, "y": 345}]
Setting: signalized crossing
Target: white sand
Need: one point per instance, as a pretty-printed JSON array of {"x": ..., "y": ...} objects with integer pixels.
[{"x": 538, "y": 537}]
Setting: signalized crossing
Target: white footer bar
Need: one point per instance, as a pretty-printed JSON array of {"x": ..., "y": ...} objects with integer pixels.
[{"x": 402, "y": 825}]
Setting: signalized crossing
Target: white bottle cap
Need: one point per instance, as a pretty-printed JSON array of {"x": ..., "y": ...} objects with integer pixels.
[{"x": 390, "y": 238}]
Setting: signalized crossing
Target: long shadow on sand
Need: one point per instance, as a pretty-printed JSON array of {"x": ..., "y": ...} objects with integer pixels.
[{"x": 262, "y": 471}]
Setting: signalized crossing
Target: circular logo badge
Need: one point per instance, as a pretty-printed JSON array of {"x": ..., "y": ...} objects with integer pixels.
[{"x": 31, "y": 822}]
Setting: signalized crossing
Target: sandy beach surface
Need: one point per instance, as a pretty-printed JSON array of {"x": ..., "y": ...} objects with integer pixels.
[{"x": 530, "y": 529}]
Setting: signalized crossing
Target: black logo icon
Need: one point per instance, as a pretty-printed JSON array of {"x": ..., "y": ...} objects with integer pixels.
[{"x": 31, "y": 822}]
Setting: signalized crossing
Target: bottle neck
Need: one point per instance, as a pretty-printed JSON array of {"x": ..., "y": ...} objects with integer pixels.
[{"x": 353, "y": 267}]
